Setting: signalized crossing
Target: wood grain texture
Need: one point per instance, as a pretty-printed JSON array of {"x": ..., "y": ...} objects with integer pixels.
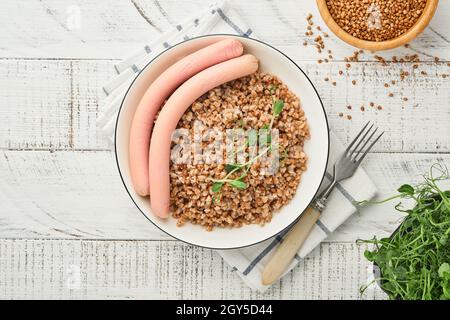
[
  {"x": 54, "y": 104},
  {"x": 108, "y": 27},
  {"x": 51, "y": 104},
  {"x": 59, "y": 186},
  {"x": 79, "y": 195},
  {"x": 56, "y": 269},
  {"x": 37, "y": 29}
]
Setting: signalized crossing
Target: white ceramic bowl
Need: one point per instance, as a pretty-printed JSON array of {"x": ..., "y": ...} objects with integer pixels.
[{"x": 272, "y": 61}]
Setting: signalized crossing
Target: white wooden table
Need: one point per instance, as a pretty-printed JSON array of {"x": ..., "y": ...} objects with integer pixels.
[{"x": 63, "y": 210}]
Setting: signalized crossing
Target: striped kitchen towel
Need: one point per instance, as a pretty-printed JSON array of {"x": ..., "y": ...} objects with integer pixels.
[
  {"x": 247, "y": 262},
  {"x": 217, "y": 18}
]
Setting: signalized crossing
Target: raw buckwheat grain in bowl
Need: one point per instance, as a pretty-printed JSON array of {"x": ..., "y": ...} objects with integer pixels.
[
  {"x": 231, "y": 195},
  {"x": 376, "y": 20}
]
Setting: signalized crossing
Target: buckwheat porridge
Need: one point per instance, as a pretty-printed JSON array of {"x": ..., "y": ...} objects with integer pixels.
[{"x": 229, "y": 194}]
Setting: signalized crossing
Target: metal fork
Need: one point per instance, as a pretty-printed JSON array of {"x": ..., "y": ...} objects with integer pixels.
[{"x": 344, "y": 168}]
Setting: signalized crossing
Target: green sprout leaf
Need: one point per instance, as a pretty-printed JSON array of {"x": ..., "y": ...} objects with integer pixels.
[
  {"x": 406, "y": 189},
  {"x": 217, "y": 187},
  {"x": 231, "y": 166},
  {"x": 278, "y": 107},
  {"x": 238, "y": 184},
  {"x": 444, "y": 270}
]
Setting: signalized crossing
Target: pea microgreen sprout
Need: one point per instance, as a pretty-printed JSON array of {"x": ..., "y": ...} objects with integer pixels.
[
  {"x": 276, "y": 110},
  {"x": 231, "y": 168},
  {"x": 414, "y": 262}
]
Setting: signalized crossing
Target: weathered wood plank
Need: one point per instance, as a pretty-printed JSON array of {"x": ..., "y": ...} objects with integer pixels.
[
  {"x": 48, "y": 104},
  {"x": 49, "y": 28},
  {"x": 407, "y": 124},
  {"x": 66, "y": 195},
  {"x": 35, "y": 105},
  {"x": 62, "y": 269},
  {"x": 113, "y": 29},
  {"x": 80, "y": 195},
  {"x": 49, "y": 101}
]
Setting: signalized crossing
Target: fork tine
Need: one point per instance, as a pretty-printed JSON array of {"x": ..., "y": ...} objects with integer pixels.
[
  {"x": 368, "y": 149},
  {"x": 362, "y": 140},
  {"x": 357, "y": 152},
  {"x": 356, "y": 138}
]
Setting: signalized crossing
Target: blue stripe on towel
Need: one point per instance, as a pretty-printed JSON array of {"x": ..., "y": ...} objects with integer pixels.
[
  {"x": 248, "y": 32},
  {"x": 344, "y": 192},
  {"x": 229, "y": 22},
  {"x": 323, "y": 227},
  {"x": 263, "y": 253},
  {"x": 134, "y": 68},
  {"x": 280, "y": 236}
]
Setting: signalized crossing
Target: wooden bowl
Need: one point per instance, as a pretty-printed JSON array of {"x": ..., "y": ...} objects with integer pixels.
[{"x": 418, "y": 27}]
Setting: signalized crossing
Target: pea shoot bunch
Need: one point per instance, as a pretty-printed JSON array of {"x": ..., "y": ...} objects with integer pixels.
[{"x": 415, "y": 261}]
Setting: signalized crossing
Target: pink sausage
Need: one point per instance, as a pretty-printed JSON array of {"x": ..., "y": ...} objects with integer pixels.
[
  {"x": 158, "y": 92},
  {"x": 179, "y": 101}
]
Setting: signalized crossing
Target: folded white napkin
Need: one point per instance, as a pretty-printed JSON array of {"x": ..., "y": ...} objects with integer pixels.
[
  {"x": 247, "y": 262},
  {"x": 217, "y": 18}
]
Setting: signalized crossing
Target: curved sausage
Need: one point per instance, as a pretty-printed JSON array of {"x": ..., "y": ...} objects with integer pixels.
[
  {"x": 155, "y": 96},
  {"x": 181, "y": 99}
]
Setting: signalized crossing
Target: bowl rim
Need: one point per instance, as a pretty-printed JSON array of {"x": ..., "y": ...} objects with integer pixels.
[
  {"x": 227, "y": 35},
  {"x": 421, "y": 23}
]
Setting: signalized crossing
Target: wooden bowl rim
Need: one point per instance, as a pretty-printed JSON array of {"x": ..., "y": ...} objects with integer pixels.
[{"x": 416, "y": 29}]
